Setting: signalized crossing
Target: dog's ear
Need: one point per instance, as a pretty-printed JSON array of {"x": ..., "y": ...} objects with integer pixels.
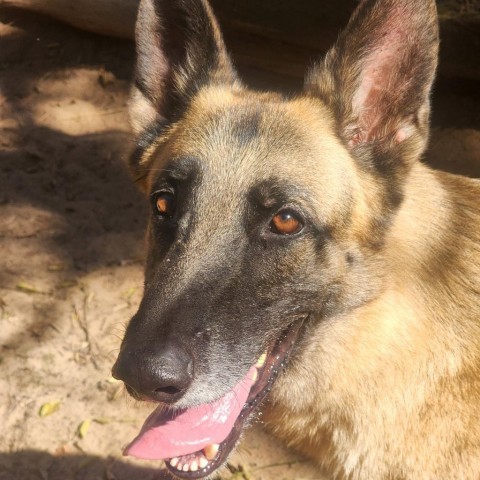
[
  {"x": 377, "y": 78},
  {"x": 179, "y": 50}
]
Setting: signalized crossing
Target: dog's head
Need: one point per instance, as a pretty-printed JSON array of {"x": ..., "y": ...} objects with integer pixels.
[{"x": 268, "y": 213}]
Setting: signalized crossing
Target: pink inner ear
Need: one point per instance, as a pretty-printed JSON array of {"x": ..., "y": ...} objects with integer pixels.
[{"x": 384, "y": 80}]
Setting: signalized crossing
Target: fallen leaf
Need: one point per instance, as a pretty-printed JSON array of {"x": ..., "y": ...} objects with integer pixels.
[
  {"x": 83, "y": 428},
  {"x": 27, "y": 288},
  {"x": 127, "y": 294},
  {"x": 102, "y": 420},
  {"x": 48, "y": 408}
]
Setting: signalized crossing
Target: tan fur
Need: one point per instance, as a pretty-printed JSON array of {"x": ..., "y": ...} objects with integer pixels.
[
  {"x": 381, "y": 388},
  {"x": 387, "y": 387},
  {"x": 405, "y": 391}
]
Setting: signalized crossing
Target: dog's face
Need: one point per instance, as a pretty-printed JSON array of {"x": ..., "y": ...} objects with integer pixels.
[
  {"x": 241, "y": 244},
  {"x": 268, "y": 212}
]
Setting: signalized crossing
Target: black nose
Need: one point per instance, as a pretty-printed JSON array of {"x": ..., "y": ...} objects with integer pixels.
[{"x": 162, "y": 375}]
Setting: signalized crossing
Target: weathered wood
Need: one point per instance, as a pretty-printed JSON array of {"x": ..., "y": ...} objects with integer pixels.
[
  {"x": 304, "y": 23},
  {"x": 279, "y": 36},
  {"x": 298, "y": 29},
  {"x": 114, "y": 18}
]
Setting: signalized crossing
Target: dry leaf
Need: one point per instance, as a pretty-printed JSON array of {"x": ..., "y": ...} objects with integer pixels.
[
  {"x": 26, "y": 287},
  {"x": 102, "y": 420},
  {"x": 48, "y": 408},
  {"x": 83, "y": 428}
]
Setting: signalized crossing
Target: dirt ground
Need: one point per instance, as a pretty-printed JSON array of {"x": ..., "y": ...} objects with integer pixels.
[{"x": 71, "y": 255}]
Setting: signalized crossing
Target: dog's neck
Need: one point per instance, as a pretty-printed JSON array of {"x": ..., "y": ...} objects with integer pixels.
[
  {"x": 410, "y": 333},
  {"x": 399, "y": 348},
  {"x": 432, "y": 242}
]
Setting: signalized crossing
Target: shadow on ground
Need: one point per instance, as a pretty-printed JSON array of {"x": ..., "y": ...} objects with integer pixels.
[
  {"x": 71, "y": 228},
  {"x": 34, "y": 465}
]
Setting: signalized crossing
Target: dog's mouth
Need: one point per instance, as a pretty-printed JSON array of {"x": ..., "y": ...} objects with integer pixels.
[{"x": 196, "y": 441}]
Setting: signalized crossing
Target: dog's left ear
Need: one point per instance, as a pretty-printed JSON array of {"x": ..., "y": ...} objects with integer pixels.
[
  {"x": 378, "y": 76},
  {"x": 179, "y": 50}
]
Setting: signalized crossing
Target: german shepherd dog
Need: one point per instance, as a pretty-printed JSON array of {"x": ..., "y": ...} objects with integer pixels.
[{"x": 303, "y": 227}]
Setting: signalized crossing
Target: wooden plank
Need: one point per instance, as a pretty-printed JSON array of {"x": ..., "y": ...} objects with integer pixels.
[{"x": 279, "y": 36}]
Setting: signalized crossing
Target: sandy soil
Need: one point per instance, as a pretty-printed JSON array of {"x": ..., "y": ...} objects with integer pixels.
[{"x": 71, "y": 255}]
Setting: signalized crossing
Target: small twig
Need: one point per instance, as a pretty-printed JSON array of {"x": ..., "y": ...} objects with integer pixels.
[
  {"x": 83, "y": 323},
  {"x": 279, "y": 464},
  {"x": 236, "y": 475},
  {"x": 101, "y": 114}
]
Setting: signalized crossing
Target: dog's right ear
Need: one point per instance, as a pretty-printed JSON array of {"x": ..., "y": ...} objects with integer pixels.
[{"x": 179, "y": 50}]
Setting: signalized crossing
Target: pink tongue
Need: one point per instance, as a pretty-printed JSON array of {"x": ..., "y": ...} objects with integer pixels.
[{"x": 166, "y": 434}]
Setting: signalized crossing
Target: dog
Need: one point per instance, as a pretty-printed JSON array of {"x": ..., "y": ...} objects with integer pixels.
[{"x": 301, "y": 257}]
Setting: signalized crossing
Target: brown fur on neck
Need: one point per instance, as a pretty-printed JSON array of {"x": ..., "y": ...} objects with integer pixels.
[{"x": 398, "y": 372}]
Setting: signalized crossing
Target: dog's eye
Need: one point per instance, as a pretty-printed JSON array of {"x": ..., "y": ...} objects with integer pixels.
[
  {"x": 286, "y": 222},
  {"x": 165, "y": 204}
]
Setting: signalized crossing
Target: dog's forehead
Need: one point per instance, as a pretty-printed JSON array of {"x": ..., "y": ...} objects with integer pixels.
[{"x": 258, "y": 134}]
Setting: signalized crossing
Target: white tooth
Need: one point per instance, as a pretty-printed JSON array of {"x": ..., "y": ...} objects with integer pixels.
[
  {"x": 255, "y": 376},
  {"x": 173, "y": 461},
  {"x": 186, "y": 467},
  {"x": 211, "y": 451},
  {"x": 261, "y": 361},
  {"x": 194, "y": 466},
  {"x": 203, "y": 462}
]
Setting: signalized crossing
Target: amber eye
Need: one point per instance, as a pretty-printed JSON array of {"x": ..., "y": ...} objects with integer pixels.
[
  {"x": 286, "y": 222},
  {"x": 165, "y": 204}
]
